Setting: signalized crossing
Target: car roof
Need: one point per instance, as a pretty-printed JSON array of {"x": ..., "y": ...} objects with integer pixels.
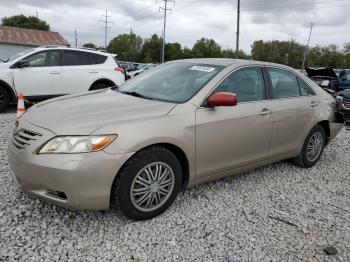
[
  {"x": 229, "y": 61},
  {"x": 90, "y": 50}
]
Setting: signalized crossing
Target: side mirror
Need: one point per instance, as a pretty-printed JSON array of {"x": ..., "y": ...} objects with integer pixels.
[
  {"x": 222, "y": 99},
  {"x": 23, "y": 63}
]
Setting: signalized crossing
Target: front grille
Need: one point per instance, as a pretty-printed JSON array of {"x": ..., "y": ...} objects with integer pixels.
[
  {"x": 24, "y": 138},
  {"x": 346, "y": 102}
]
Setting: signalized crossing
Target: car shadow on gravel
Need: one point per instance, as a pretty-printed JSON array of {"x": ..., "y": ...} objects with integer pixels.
[
  {"x": 10, "y": 109},
  {"x": 234, "y": 181},
  {"x": 67, "y": 217}
]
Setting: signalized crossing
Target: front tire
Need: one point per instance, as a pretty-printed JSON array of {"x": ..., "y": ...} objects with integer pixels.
[
  {"x": 4, "y": 99},
  {"x": 147, "y": 184},
  {"x": 312, "y": 148}
]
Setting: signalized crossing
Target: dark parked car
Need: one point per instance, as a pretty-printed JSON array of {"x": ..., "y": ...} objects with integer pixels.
[
  {"x": 328, "y": 78},
  {"x": 343, "y": 80},
  {"x": 343, "y": 100},
  {"x": 325, "y": 77},
  {"x": 338, "y": 86}
]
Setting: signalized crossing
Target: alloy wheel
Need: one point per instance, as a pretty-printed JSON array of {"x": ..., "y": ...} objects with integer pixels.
[
  {"x": 152, "y": 186},
  {"x": 314, "y": 146}
]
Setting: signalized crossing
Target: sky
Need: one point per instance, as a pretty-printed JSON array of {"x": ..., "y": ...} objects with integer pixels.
[{"x": 189, "y": 20}]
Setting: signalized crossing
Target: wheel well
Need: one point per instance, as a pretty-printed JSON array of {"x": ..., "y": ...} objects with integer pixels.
[
  {"x": 325, "y": 125},
  {"x": 102, "y": 81},
  {"x": 9, "y": 90},
  {"x": 181, "y": 156}
]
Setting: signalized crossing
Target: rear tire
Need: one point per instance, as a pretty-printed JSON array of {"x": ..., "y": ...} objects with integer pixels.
[
  {"x": 4, "y": 99},
  {"x": 312, "y": 148},
  {"x": 147, "y": 184},
  {"x": 101, "y": 85}
]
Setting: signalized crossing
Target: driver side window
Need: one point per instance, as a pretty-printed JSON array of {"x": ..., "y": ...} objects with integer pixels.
[
  {"x": 246, "y": 83},
  {"x": 43, "y": 59}
]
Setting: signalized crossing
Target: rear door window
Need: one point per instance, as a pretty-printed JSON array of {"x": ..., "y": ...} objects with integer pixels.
[
  {"x": 284, "y": 83},
  {"x": 305, "y": 89},
  {"x": 97, "y": 59},
  {"x": 246, "y": 83},
  {"x": 75, "y": 58}
]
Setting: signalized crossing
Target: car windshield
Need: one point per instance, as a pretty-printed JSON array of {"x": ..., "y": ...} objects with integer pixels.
[
  {"x": 175, "y": 82},
  {"x": 19, "y": 54}
]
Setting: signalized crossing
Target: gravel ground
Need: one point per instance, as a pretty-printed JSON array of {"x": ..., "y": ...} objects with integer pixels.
[{"x": 276, "y": 213}]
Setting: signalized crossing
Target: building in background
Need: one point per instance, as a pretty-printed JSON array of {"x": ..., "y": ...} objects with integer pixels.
[{"x": 14, "y": 40}]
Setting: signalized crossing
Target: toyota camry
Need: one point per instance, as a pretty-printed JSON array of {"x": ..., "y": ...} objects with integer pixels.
[{"x": 183, "y": 123}]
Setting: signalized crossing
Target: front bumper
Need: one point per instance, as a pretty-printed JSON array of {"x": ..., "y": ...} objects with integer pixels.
[{"x": 76, "y": 181}]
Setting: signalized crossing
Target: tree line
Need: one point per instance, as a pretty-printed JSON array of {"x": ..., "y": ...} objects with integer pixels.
[{"x": 131, "y": 47}]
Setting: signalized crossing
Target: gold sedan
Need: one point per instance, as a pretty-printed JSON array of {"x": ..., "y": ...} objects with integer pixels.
[{"x": 180, "y": 124}]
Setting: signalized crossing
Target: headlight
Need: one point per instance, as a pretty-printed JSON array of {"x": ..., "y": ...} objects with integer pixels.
[{"x": 76, "y": 144}]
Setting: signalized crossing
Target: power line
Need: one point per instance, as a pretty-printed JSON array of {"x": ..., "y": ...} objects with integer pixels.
[
  {"x": 294, "y": 5},
  {"x": 140, "y": 10},
  {"x": 258, "y": 10}
]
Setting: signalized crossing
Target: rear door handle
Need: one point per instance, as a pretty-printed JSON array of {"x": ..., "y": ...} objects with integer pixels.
[
  {"x": 55, "y": 73},
  {"x": 265, "y": 112},
  {"x": 313, "y": 104},
  {"x": 93, "y": 72}
]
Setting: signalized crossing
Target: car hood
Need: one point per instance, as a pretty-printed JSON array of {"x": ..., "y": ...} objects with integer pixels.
[
  {"x": 83, "y": 113},
  {"x": 321, "y": 72}
]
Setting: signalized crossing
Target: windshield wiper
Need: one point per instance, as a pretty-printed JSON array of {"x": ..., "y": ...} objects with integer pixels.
[{"x": 136, "y": 94}]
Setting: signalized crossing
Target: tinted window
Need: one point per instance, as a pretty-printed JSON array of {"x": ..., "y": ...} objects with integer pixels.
[
  {"x": 97, "y": 59},
  {"x": 247, "y": 84},
  {"x": 305, "y": 89},
  {"x": 284, "y": 84},
  {"x": 72, "y": 58},
  {"x": 347, "y": 75},
  {"x": 46, "y": 58}
]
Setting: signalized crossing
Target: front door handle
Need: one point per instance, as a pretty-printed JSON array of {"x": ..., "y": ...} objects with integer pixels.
[
  {"x": 55, "y": 73},
  {"x": 265, "y": 112}
]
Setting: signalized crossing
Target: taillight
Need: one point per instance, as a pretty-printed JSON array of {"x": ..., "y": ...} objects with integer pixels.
[{"x": 119, "y": 69}]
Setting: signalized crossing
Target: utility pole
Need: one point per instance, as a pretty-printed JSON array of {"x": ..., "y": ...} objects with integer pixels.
[
  {"x": 76, "y": 38},
  {"x": 237, "y": 33},
  {"x": 161, "y": 50},
  {"x": 307, "y": 46},
  {"x": 165, "y": 9},
  {"x": 106, "y": 21}
]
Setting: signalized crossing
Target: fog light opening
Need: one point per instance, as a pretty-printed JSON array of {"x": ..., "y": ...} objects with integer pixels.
[{"x": 56, "y": 194}]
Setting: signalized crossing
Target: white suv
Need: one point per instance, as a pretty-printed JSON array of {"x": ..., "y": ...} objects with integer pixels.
[{"x": 51, "y": 71}]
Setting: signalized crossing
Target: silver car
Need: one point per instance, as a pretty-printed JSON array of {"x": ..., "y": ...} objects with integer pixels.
[{"x": 183, "y": 123}]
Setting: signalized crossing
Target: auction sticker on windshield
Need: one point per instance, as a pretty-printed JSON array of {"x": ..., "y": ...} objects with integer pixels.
[{"x": 203, "y": 68}]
